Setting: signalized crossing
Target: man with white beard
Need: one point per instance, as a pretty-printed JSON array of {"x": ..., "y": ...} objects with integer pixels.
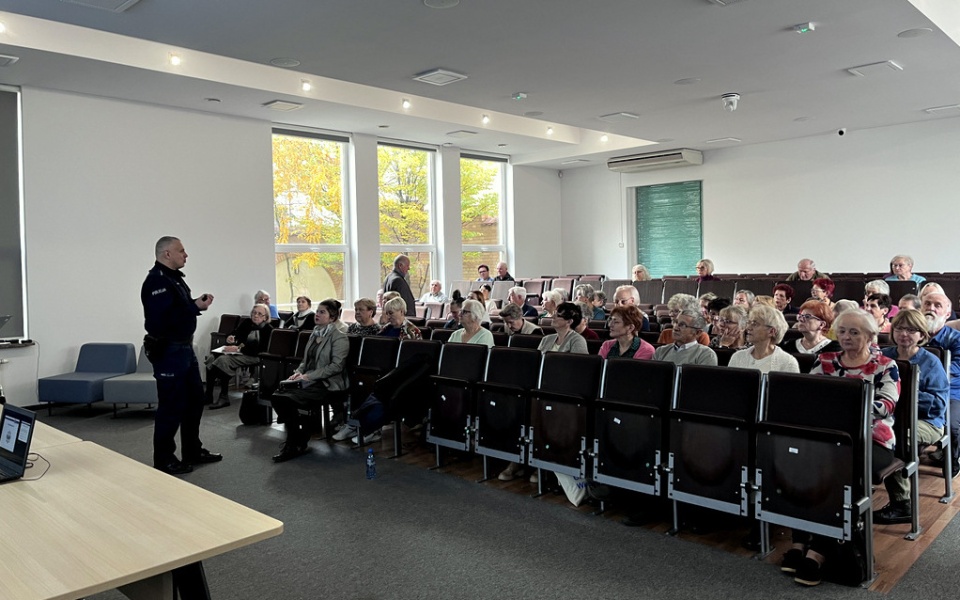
[{"x": 937, "y": 308}]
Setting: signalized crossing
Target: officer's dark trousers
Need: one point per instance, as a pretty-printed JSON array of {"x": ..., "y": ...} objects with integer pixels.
[{"x": 180, "y": 394}]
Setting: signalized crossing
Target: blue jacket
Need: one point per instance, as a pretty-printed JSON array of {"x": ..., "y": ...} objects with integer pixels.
[
  {"x": 948, "y": 338},
  {"x": 934, "y": 388}
]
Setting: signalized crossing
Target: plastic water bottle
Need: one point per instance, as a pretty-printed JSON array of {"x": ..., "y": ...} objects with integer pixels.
[{"x": 371, "y": 465}]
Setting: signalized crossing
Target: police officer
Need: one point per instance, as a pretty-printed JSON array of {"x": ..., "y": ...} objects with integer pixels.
[{"x": 170, "y": 316}]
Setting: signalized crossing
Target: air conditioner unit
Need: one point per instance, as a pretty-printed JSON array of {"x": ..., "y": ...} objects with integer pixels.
[{"x": 655, "y": 160}]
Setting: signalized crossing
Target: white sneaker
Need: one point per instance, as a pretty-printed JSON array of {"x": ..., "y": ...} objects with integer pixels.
[
  {"x": 345, "y": 432},
  {"x": 370, "y": 437}
]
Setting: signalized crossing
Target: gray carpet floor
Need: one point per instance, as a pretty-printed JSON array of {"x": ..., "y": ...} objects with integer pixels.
[{"x": 414, "y": 533}]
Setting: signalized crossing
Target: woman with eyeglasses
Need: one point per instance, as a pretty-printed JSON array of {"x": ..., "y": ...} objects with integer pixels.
[
  {"x": 764, "y": 329},
  {"x": 813, "y": 323},
  {"x": 728, "y": 325},
  {"x": 471, "y": 315},
  {"x": 243, "y": 348},
  {"x": 565, "y": 320},
  {"x": 625, "y": 324},
  {"x": 910, "y": 333},
  {"x": 364, "y": 310},
  {"x": 822, "y": 291},
  {"x": 397, "y": 325}
]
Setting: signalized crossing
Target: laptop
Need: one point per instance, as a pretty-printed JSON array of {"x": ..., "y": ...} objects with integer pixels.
[{"x": 16, "y": 432}]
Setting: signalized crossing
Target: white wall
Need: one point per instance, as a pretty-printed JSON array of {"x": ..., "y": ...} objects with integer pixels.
[
  {"x": 849, "y": 203},
  {"x": 102, "y": 181},
  {"x": 536, "y": 237}
]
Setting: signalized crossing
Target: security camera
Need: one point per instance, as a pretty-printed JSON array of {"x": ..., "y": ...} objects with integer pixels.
[
  {"x": 730, "y": 101},
  {"x": 842, "y": 131}
]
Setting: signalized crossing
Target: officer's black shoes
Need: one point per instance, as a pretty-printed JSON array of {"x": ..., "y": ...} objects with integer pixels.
[
  {"x": 204, "y": 457},
  {"x": 174, "y": 467},
  {"x": 288, "y": 451}
]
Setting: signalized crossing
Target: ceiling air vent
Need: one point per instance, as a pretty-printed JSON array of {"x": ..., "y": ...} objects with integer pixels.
[
  {"x": 282, "y": 105},
  {"x": 111, "y": 5},
  {"x": 655, "y": 160},
  {"x": 439, "y": 77}
]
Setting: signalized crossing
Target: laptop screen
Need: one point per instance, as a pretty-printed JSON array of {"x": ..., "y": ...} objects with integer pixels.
[{"x": 16, "y": 431}]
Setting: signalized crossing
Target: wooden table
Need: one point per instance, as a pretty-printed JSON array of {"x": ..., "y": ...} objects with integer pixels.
[
  {"x": 98, "y": 520},
  {"x": 45, "y": 437}
]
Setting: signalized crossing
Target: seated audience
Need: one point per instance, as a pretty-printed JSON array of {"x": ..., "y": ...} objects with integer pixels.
[
  {"x": 927, "y": 288},
  {"x": 518, "y": 295},
  {"x": 806, "y": 271},
  {"x": 483, "y": 271},
  {"x": 730, "y": 328},
  {"x": 302, "y": 320},
  {"x": 782, "y": 298},
  {"x": 712, "y": 315},
  {"x": 335, "y": 316},
  {"x": 566, "y": 339},
  {"x": 856, "y": 331},
  {"x": 640, "y": 273},
  {"x": 551, "y": 299},
  {"x": 513, "y": 322},
  {"x": 471, "y": 316},
  {"x": 936, "y": 310},
  {"x": 397, "y": 325},
  {"x": 502, "y": 273},
  {"x": 625, "y": 324},
  {"x": 627, "y": 294},
  {"x": 705, "y": 300},
  {"x": 564, "y": 294},
  {"x": 364, "y": 309},
  {"x": 878, "y": 305},
  {"x": 323, "y": 370},
  {"x": 263, "y": 297},
  {"x": 764, "y": 329},
  {"x": 813, "y": 322},
  {"x": 583, "y": 293},
  {"x": 765, "y": 300},
  {"x": 453, "y": 311},
  {"x": 705, "y": 271},
  {"x": 744, "y": 298},
  {"x": 481, "y": 297},
  {"x": 586, "y": 311},
  {"x": 909, "y": 301},
  {"x": 384, "y": 298},
  {"x": 901, "y": 269},
  {"x": 822, "y": 291},
  {"x": 488, "y": 304},
  {"x": 599, "y": 300},
  {"x": 243, "y": 348},
  {"x": 435, "y": 294},
  {"x": 909, "y": 334},
  {"x": 677, "y": 304},
  {"x": 684, "y": 349}
]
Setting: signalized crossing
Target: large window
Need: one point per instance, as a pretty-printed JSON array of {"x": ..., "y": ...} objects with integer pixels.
[
  {"x": 406, "y": 212},
  {"x": 669, "y": 228},
  {"x": 308, "y": 207},
  {"x": 481, "y": 207},
  {"x": 11, "y": 251}
]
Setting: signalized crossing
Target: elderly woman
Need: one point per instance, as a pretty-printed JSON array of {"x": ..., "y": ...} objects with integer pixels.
[
  {"x": 598, "y": 301},
  {"x": 764, "y": 329},
  {"x": 677, "y": 304},
  {"x": 705, "y": 270},
  {"x": 566, "y": 339},
  {"x": 640, "y": 273},
  {"x": 856, "y": 332},
  {"x": 813, "y": 323},
  {"x": 878, "y": 305},
  {"x": 364, "y": 310},
  {"x": 323, "y": 370},
  {"x": 586, "y": 312},
  {"x": 513, "y": 321},
  {"x": 705, "y": 300},
  {"x": 397, "y": 325},
  {"x": 712, "y": 313},
  {"x": 730, "y": 328},
  {"x": 472, "y": 333},
  {"x": 384, "y": 298},
  {"x": 263, "y": 297},
  {"x": 625, "y": 324},
  {"x": 782, "y": 298},
  {"x": 302, "y": 320},
  {"x": 822, "y": 290},
  {"x": 242, "y": 350},
  {"x": 550, "y": 300},
  {"x": 901, "y": 269},
  {"x": 744, "y": 298},
  {"x": 909, "y": 334}
]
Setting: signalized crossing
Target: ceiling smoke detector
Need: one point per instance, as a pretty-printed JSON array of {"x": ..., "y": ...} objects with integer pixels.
[{"x": 730, "y": 101}]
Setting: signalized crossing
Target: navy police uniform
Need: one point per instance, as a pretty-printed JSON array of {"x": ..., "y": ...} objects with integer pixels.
[{"x": 170, "y": 316}]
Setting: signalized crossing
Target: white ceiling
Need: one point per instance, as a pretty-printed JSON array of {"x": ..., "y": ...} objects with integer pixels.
[{"x": 576, "y": 60}]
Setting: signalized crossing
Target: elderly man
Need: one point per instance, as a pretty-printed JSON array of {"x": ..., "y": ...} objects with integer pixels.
[
  {"x": 483, "y": 272},
  {"x": 396, "y": 281},
  {"x": 627, "y": 294},
  {"x": 435, "y": 294},
  {"x": 514, "y": 322},
  {"x": 901, "y": 269},
  {"x": 685, "y": 349},
  {"x": 263, "y": 297},
  {"x": 677, "y": 304},
  {"x": 518, "y": 295},
  {"x": 502, "y": 273},
  {"x": 937, "y": 309},
  {"x": 806, "y": 271}
]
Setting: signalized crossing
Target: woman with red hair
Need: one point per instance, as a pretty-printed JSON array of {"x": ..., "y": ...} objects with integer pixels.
[{"x": 822, "y": 291}]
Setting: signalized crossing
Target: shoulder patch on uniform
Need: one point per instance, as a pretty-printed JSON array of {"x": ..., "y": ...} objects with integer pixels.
[{"x": 160, "y": 291}]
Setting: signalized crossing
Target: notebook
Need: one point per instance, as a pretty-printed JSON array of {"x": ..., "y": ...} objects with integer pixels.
[{"x": 16, "y": 432}]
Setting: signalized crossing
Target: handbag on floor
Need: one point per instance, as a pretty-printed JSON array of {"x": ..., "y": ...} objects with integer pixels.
[{"x": 252, "y": 412}]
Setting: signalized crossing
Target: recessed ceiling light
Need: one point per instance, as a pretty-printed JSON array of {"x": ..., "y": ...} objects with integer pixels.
[
  {"x": 619, "y": 117},
  {"x": 439, "y": 77},
  {"x": 441, "y": 3},
  {"x": 574, "y": 161},
  {"x": 383, "y": 126},
  {"x": 912, "y": 33},
  {"x": 687, "y": 81},
  {"x": 501, "y": 145},
  {"x": 722, "y": 140},
  {"x": 175, "y": 59},
  {"x": 549, "y": 130},
  {"x": 285, "y": 62},
  {"x": 533, "y": 113},
  {"x": 305, "y": 85},
  {"x": 485, "y": 119},
  {"x": 604, "y": 138},
  {"x": 405, "y": 103},
  {"x": 212, "y": 100},
  {"x": 282, "y": 105}
]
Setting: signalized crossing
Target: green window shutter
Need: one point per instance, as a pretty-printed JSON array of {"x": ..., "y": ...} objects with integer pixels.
[{"x": 669, "y": 228}]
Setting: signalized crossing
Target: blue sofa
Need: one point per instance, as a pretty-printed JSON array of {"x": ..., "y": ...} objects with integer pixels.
[{"x": 96, "y": 363}]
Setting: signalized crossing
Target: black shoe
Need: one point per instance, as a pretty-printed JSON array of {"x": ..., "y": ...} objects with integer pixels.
[
  {"x": 808, "y": 572},
  {"x": 635, "y": 520},
  {"x": 174, "y": 467},
  {"x": 289, "y": 451},
  {"x": 791, "y": 560},
  {"x": 221, "y": 402},
  {"x": 893, "y": 513},
  {"x": 205, "y": 456}
]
